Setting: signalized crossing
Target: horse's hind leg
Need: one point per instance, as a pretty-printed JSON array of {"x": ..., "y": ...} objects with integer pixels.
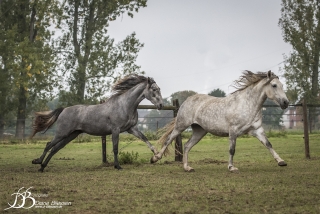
[
  {"x": 259, "y": 133},
  {"x": 197, "y": 135},
  {"x": 57, "y": 147},
  {"x": 46, "y": 149}
]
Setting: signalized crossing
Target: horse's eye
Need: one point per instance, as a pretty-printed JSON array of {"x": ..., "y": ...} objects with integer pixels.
[{"x": 274, "y": 86}]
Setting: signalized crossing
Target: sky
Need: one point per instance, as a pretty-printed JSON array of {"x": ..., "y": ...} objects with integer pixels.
[{"x": 206, "y": 44}]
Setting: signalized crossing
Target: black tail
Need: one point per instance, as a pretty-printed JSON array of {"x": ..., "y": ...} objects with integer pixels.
[{"x": 44, "y": 120}]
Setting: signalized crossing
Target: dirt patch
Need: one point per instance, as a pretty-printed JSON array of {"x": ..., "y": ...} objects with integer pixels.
[{"x": 213, "y": 161}]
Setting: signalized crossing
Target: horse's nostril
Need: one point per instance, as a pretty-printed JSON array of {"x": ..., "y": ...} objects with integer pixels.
[{"x": 285, "y": 104}]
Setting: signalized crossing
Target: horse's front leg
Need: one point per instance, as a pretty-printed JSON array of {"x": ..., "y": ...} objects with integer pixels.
[
  {"x": 135, "y": 131},
  {"x": 232, "y": 150},
  {"x": 115, "y": 145},
  {"x": 259, "y": 133}
]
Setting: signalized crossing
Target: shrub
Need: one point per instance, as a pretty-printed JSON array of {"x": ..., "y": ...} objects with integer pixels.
[
  {"x": 150, "y": 135},
  {"x": 281, "y": 133},
  {"x": 83, "y": 138},
  {"x": 128, "y": 158}
]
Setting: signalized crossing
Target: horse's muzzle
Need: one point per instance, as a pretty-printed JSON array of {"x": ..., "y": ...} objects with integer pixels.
[{"x": 284, "y": 104}]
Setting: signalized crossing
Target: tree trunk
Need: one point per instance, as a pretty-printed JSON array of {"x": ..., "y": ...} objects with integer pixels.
[
  {"x": 81, "y": 71},
  {"x": 83, "y": 59},
  {"x": 21, "y": 115},
  {"x": 1, "y": 126},
  {"x": 81, "y": 83},
  {"x": 31, "y": 32},
  {"x": 4, "y": 88}
]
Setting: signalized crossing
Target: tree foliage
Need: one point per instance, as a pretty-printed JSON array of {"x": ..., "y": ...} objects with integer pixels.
[
  {"x": 90, "y": 60},
  {"x": 217, "y": 93},
  {"x": 182, "y": 95},
  {"x": 300, "y": 24},
  {"x": 83, "y": 59},
  {"x": 26, "y": 57}
]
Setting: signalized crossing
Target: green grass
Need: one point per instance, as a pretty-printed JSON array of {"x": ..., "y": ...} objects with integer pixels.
[{"x": 76, "y": 175}]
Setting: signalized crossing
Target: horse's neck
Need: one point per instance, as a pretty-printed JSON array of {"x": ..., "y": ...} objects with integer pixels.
[
  {"x": 134, "y": 96},
  {"x": 254, "y": 97}
]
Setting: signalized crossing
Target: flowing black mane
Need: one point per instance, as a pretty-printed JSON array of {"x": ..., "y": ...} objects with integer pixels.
[
  {"x": 249, "y": 78},
  {"x": 128, "y": 82}
]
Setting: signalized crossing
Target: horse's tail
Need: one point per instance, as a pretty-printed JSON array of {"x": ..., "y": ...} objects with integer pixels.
[
  {"x": 168, "y": 130},
  {"x": 44, "y": 120}
]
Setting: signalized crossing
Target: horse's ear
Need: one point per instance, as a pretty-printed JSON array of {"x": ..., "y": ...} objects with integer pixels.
[
  {"x": 270, "y": 77},
  {"x": 269, "y": 74},
  {"x": 150, "y": 81}
]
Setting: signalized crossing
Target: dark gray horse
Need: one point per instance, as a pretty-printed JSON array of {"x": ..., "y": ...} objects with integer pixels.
[{"x": 118, "y": 114}]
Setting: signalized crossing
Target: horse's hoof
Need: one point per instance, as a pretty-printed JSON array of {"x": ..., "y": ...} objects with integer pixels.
[
  {"x": 152, "y": 160},
  {"x": 282, "y": 163},
  {"x": 189, "y": 169},
  {"x": 40, "y": 170},
  {"x": 233, "y": 169},
  {"x": 118, "y": 167},
  {"x": 36, "y": 161}
]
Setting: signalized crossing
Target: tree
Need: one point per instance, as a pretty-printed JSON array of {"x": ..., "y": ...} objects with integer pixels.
[
  {"x": 217, "y": 93},
  {"x": 300, "y": 24},
  {"x": 27, "y": 61},
  {"x": 182, "y": 95},
  {"x": 90, "y": 60},
  {"x": 6, "y": 104}
]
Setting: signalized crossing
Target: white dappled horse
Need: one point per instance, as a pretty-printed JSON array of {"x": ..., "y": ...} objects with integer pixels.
[{"x": 237, "y": 114}]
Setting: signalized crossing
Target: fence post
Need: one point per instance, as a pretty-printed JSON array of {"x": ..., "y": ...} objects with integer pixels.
[
  {"x": 305, "y": 128},
  {"x": 178, "y": 140}
]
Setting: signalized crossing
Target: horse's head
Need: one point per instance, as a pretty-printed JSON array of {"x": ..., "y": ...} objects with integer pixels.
[
  {"x": 153, "y": 94},
  {"x": 274, "y": 90}
]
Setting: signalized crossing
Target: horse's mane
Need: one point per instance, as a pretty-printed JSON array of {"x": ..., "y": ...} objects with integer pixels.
[
  {"x": 249, "y": 78},
  {"x": 127, "y": 83}
]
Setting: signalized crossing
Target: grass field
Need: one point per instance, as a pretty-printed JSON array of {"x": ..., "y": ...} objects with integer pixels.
[{"x": 75, "y": 178}]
